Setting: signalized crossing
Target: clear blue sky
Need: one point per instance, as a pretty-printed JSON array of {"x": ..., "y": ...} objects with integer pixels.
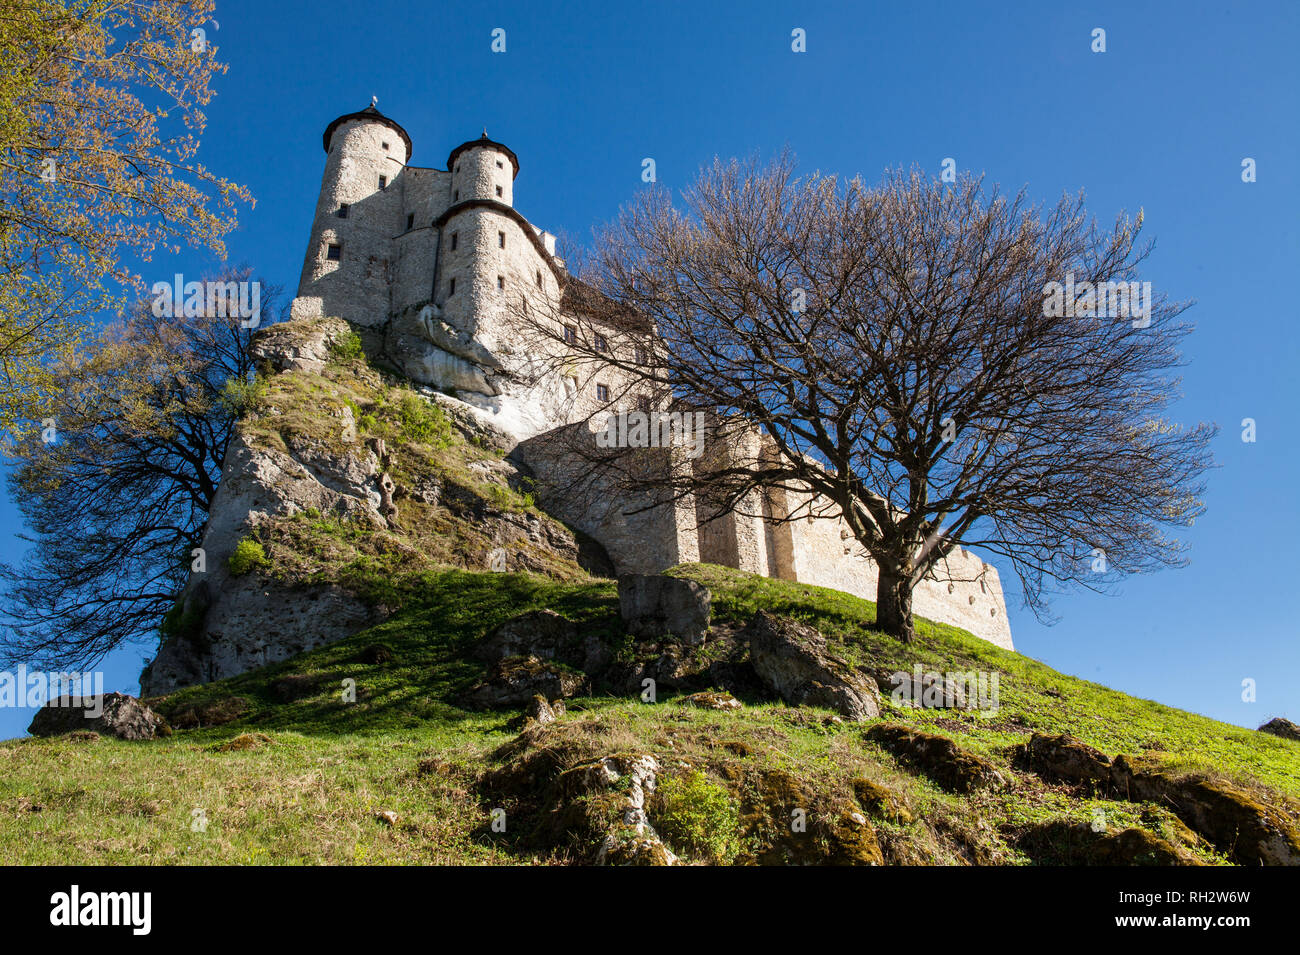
[{"x": 1160, "y": 121}]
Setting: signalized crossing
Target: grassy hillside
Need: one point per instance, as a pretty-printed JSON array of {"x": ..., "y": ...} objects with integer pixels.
[{"x": 295, "y": 775}]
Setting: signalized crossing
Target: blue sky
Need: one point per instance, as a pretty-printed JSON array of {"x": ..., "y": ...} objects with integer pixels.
[{"x": 1161, "y": 121}]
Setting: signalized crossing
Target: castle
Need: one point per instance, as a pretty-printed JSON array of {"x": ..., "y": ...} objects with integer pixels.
[
  {"x": 433, "y": 268},
  {"x": 422, "y": 261}
]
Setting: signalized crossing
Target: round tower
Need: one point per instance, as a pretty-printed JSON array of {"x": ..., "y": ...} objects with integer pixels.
[
  {"x": 345, "y": 269},
  {"x": 482, "y": 169}
]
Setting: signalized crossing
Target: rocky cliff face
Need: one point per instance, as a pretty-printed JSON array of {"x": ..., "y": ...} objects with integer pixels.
[{"x": 340, "y": 480}]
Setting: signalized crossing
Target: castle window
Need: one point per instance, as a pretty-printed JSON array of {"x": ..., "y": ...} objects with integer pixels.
[
  {"x": 451, "y": 289},
  {"x": 570, "y": 335},
  {"x": 498, "y": 190},
  {"x": 385, "y": 145},
  {"x": 602, "y": 392},
  {"x": 454, "y": 237},
  {"x": 499, "y": 166},
  {"x": 383, "y": 182},
  {"x": 455, "y": 196},
  {"x": 601, "y": 343},
  {"x": 643, "y": 404},
  {"x": 410, "y": 220},
  {"x": 333, "y": 252},
  {"x": 501, "y": 240},
  {"x": 343, "y": 210},
  {"x": 642, "y": 356},
  {"x": 501, "y": 282}
]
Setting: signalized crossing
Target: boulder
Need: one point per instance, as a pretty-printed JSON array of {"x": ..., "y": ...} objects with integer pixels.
[
  {"x": 785, "y": 820},
  {"x": 548, "y": 636},
  {"x": 1061, "y": 842},
  {"x": 112, "y": 714},
  {"x": 1235, "y": 821},
  {"x": 1064, "y": 759},
  {"x": 937, "y": 757},
  {"x": 514, "y": 681},
  {"x": 792, "y": 660},
  {"x": 655, "y": 606},
  {"x": 1281, "y": 727},
  {"x": 712, "y": 700}
]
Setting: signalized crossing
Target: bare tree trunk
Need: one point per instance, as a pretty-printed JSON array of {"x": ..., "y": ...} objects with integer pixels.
[{"x": 894, "y": 607}]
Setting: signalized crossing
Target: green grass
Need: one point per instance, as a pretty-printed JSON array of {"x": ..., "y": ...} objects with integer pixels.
[{"x": 313, "y": 793}]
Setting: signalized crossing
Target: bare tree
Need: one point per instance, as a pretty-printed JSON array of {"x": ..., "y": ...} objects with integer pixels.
[
  {"x": 115, "y": 486},
  {"x": 904, "y": 355}
]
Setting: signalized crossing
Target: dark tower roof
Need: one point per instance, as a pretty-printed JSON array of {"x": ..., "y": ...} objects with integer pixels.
[
  {"x": 372, "y": 115},
  {"x": 484, "y": 142}
]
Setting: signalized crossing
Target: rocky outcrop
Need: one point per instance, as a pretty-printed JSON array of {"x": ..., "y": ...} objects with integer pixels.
[
  {"x": 598, "y": 805},
  {"x": 514, "y": 681},
  {"x": 548, "y": 636},
  {"x": 112, "y": 714},
  {"x": 318, "y": 464},
  {"x": 657, "y": 607},
  {"x": 1232, "y": 819},
  {"x": 937, "y": 757},
  {"x": 1281, "y": 727},
  {"x": 792, "y": 659},
  {"x": 1060, "y": 842}
]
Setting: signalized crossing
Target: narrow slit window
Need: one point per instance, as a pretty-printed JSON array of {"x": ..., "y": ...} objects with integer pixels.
[
  {"x": 498, "y": 190},
  {"x": 385, "y": 145},
  {"x": 333, "y": 252},
  {"x": 570, "y": 335},
  {"x": 383, "y": 182},
  {"x": 343, "y": 210},
  {"x": 602, "y": 392},
  {"x": 539, "y": 279},
  {"x": 410, "y": 221},
  {"x": 642, "y": 357},
  {"x": 451, "y": 288},
  {"x": 501, "y": 240},
  {"x": 501, "y": 282},
  {"x": 455, "y": 236}
]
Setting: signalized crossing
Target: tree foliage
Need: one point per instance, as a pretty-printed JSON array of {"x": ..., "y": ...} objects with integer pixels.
[
  {"x": 117, "y": 492},
  {"x": 100, "y": 117}
]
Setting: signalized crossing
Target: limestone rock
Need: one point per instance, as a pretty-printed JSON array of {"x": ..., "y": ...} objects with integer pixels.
[
  {"x": 514, "y": 681},
  {"x": 548, "y": 636},
  {"x": 791, "y": 658},
  {"x": 112, "y": 714},
  {"x": 298, "y": 346},
  {"x": 937, "y": 757},
  {"x": 708, "y": 700},
  {"x": 656, "y": 606},
  {"x": 1281, "y": 727}
]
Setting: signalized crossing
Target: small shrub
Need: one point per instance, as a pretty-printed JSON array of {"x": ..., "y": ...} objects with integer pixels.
[
  {"x": 423, "y": 422},
  {"x": 239, "y": 397},
  {"x": 346, "y": 347},
  {"x": 699, "y": 817},
  {"x": 247, "y": 555}
]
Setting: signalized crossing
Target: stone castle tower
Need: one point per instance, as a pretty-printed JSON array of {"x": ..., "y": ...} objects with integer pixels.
[{"x": 421, "y": 262}]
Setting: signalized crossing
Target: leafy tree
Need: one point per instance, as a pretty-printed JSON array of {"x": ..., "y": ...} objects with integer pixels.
[
  {"x": 116, "y": 492},
  {"x": 100, "y": 114}
]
